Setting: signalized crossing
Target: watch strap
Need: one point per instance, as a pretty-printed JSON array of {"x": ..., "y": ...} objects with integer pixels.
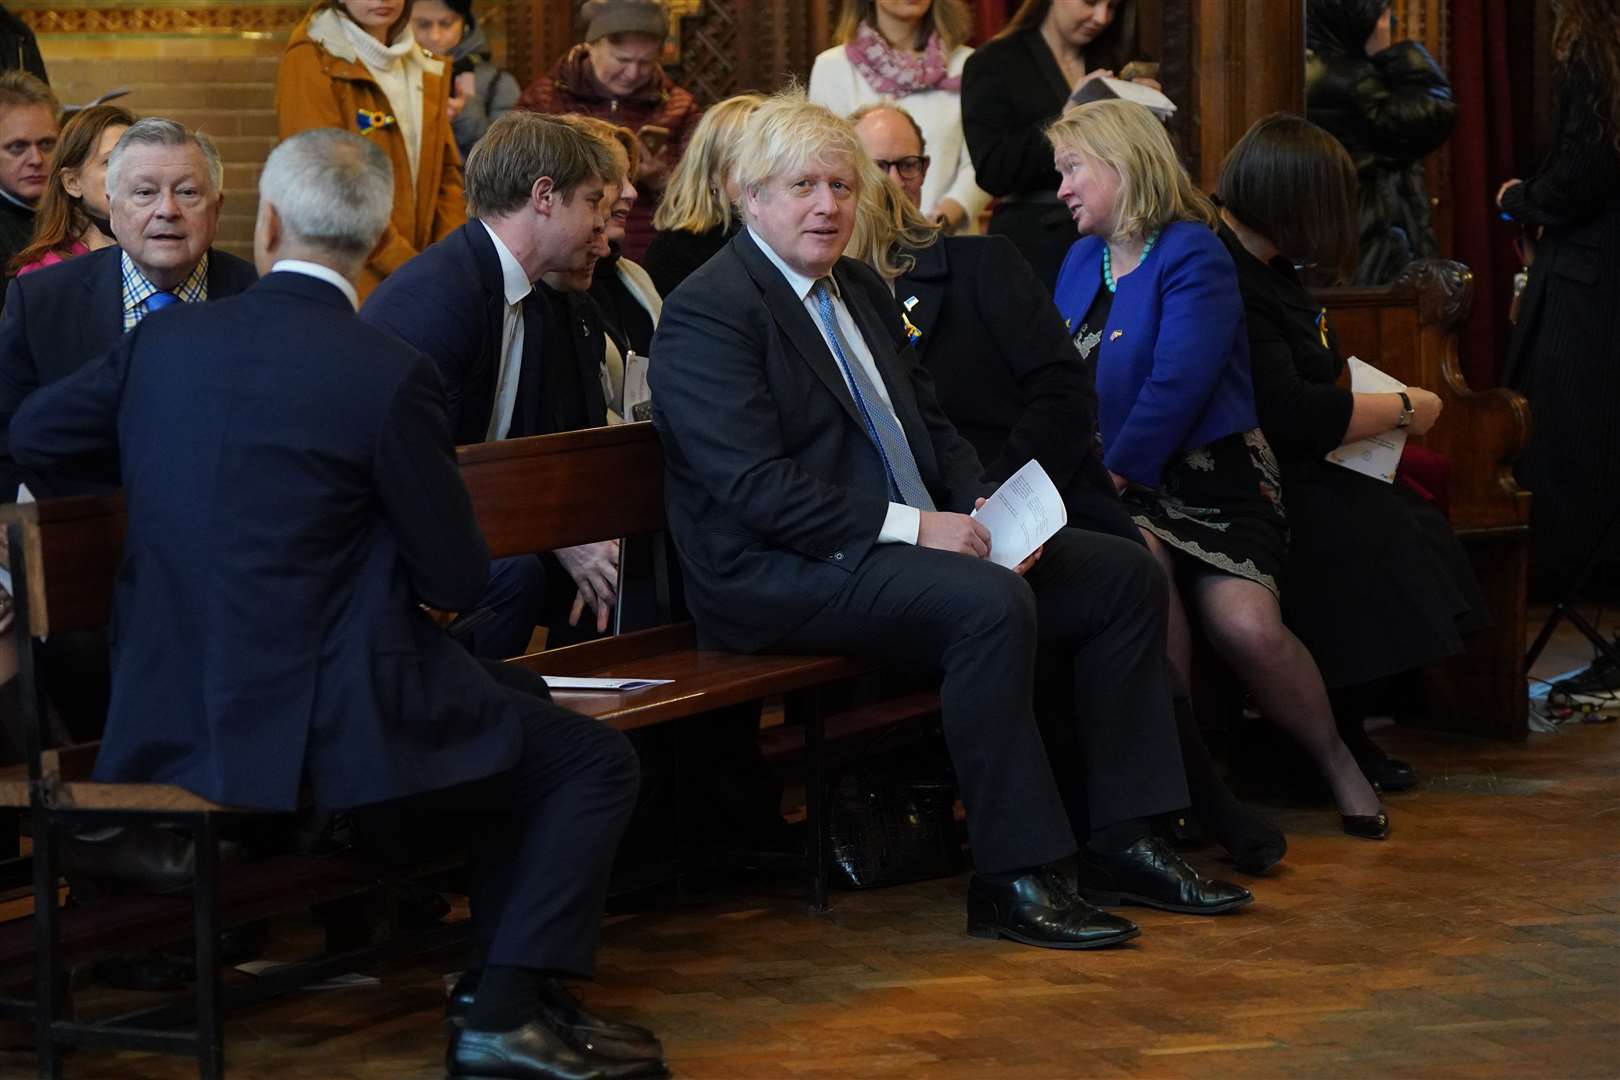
[{"x": 1406, "y": 409}]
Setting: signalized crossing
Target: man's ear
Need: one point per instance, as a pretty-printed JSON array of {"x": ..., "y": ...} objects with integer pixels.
[
  {"x": 269, "y": 225},
  {"x": 543, "y": 196}
]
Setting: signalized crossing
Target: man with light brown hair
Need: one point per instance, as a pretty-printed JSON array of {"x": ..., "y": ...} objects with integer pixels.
[{"x": 28, "y": 131}]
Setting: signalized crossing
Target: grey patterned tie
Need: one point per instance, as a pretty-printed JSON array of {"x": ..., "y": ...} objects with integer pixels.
[{"x": 881, "y": 425}]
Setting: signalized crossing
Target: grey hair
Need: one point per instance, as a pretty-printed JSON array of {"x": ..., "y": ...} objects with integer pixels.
[
  {"x": 156, "y": 131},
  {"x": 788, "y": 132},
  {"x": 331, "y": 189}
]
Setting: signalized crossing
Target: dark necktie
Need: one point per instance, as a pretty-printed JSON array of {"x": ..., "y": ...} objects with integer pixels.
[{"x": 881, "y": 425}]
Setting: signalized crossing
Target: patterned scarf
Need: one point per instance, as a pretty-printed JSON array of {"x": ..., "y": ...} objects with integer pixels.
[{"x": 893, "y": 73}]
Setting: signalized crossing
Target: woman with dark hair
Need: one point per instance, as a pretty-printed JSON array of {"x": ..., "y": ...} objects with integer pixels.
[
  {"x": 1151, "y": 299},
  {"x": 1376, "y": 582},
  {"x": 354, "y": 65},
  {"x": 1390, "y": 105},
  {"x": 72, "y": 215},
  {"x": 1566, "y": 347},
  {"x": 480, "y": 92},
  {"x": 911, "y": 53},
  {"x": 1012, "y": 88}
]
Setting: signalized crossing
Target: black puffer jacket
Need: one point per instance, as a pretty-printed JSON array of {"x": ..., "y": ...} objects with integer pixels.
[{"x": 1390, "y": 111}]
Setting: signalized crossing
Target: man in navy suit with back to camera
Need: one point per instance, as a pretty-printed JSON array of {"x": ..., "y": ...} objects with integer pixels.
[
  {"x": 820, "y": 503},
  {"x": 164, "y": 197},
  {"x": 293, "y": 499}
]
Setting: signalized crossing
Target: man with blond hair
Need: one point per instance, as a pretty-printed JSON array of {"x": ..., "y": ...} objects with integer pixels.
[{"x": 820, "y": 502}]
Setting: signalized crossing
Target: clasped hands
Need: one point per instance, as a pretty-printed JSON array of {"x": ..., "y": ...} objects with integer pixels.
[{"x": 963, "y": 535}]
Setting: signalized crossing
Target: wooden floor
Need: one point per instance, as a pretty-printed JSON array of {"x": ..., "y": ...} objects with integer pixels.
[{"x": 1480, "y": 941}]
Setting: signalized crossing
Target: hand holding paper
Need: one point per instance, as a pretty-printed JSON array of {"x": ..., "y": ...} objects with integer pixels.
[
  {"x": 1380, "y": 455},
  {"x": 1023, "y": 514}
]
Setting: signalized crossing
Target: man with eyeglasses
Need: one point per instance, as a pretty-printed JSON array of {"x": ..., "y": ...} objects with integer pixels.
[{"x": 28, "y": 131}]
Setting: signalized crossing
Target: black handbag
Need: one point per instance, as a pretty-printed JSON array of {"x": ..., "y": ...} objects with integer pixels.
[{"x": 891, "y": 822}]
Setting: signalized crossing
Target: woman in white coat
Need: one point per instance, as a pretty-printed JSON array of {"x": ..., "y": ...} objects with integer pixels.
[{"x": 912, "y": 52}]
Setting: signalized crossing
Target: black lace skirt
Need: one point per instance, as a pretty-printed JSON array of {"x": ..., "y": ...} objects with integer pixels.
[{"x": 1222, "y": 505}]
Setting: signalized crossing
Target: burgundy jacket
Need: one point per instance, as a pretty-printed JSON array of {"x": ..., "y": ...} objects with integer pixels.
[{"x": 571, "y": 87}]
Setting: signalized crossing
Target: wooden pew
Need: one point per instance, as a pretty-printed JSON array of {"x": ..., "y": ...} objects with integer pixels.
[
  {"x": 1409, "y": 329},
  {"x": 529, "y": 495}
]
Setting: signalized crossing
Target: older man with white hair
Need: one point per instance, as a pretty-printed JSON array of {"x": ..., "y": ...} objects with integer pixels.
[
  {"x": 820, "y": 502},
  {"x": 293, "y": 500},
  {"x": 163, "y": 189}
]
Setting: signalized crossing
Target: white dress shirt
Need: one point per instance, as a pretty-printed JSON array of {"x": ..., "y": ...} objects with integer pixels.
[
  {"x": 316, "y": 270},
  {"x": 901, "y": 523},
  {"x": 517, "y": 286}
]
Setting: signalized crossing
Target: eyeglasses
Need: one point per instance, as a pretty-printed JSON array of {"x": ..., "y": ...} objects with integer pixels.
[{"x": 909, "y": 168}]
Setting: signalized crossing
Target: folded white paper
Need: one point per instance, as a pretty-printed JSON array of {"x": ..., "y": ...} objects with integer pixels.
[
  {"x": 1380, "y": 455},
  {"x": 569, "y": 682},
  {"x": 1022, "y": 515},
  {"x": 1156, "y": 103}
]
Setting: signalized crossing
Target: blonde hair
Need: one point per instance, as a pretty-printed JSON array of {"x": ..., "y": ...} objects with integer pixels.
[
  {"x": 1154, "y": 188},
  {"x": 695, "y": 198},
  {"x": 887, "y": 225},
  {"x": 950, "y": 18},
  {"x": 788, "y": 132},
  {"x": 611, "y": 134}
]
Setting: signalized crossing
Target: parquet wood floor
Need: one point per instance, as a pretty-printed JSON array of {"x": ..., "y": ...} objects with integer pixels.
[{"x": 1482, "y": 940}]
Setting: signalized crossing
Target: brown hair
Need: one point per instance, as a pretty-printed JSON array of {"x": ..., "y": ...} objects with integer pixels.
[
  {"x": 17, "y": 87},
  {"x": 394, "y": 27},
  {"x": 611, "y": 133},
  {"x": 60, "y": 221},
  {"x": 1292, "y": 182},
  {"x": 1107, "y": 51},
  {"x": 1154, "y": 188},
  {"x": 951, "y": 20},
  {"x": 519, "y": 148},
  {"x": 1584, "y": 33}
]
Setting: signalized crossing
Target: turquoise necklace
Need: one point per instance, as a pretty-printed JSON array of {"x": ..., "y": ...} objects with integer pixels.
[{"x": 1108, "y": 260}]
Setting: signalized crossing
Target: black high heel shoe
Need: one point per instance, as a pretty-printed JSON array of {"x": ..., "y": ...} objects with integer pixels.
[{"x": 1367, "y": 826}]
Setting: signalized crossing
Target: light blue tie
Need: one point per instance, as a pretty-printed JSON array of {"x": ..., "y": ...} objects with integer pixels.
[
  {"x": 881, "y": 425},
  {"x": 160, "y": 300}
]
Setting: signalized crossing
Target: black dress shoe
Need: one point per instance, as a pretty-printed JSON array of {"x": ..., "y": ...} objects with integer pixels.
[
  {"x": 1386, "y": 773},
  {"x": 1260, "y": 854},
  {"x": 1041, "y": 909},
  {"x": 1150, "y": 873},
  {"x": 535, "y": 1052},
  {"x": 1367, "y": 826},
  {"x": 563, "y": 1013},
  {"x": 145, "y": 858}
]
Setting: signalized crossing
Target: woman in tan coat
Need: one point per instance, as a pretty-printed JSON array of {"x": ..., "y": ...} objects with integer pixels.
[{"x": 353, "y": 64}]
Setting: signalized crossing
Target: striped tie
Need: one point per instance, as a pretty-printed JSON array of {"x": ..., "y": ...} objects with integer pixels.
[{"x": 881, "y": 425}]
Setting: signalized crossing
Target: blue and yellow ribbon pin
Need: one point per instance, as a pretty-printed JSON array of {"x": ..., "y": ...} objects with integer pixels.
[
  {"x": 913, "y": 334},
  {"x": 371, "y": 119},
  {"x": 1321, "y": 326}
]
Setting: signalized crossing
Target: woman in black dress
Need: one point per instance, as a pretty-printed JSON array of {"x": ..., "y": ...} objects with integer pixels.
[
  {"x": 1377, "y": 583},
  {"x": 1566, "y": 350},
  {"x": 1013, "y": 87}
]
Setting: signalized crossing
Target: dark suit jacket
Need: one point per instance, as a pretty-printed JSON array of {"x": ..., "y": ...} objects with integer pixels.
[
  {"x": 1006, "y": 372},
  {"x": 774, "y": 491},
  {"x": 58, "y": 319},
  {"x": 291, "y": 497},
  {"x": 449, "y": 302}
]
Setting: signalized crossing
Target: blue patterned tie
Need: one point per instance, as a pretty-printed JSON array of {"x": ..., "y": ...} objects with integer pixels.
[
  {"x": 881, "y": 424},
  {"x": 160, "y": 300}
]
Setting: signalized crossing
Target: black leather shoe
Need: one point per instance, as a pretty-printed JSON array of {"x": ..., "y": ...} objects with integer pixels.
[
  {"x": 563, "y": 1013},
  {"x": 1150, "y": 873},
  {"x": 534, "y": 1052},
  {"x": 1260, "y": 854},
  {"x": 147, "y": 859},
  {"x": 1041, "y": 909},
  {"x": 1386, "y": 773},
  {"x": 1367, "y": 826}
]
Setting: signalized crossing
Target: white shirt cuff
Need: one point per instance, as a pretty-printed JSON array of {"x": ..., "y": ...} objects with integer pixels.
[{"x": 900, "y": 525}]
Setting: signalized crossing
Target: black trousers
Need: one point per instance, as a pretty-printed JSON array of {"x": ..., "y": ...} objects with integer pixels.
[
  {"x": 543, "y": 833},
  {"x": 1099, "y": 601}
]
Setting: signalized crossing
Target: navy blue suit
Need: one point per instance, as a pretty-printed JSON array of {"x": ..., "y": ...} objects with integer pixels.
[
  {"x": 57, "y": 319},
  {"x": 291, "y": 497},
  {"x": 1174, "y": 367}
]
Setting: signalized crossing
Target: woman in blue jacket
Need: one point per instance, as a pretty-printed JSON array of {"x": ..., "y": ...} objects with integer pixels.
[{"x": 1151, "y": 298}]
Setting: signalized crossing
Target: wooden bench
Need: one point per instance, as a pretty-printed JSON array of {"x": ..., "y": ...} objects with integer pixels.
[
  {"x": 529, "y": 495},
  {"x": 1410, "y": 330}
]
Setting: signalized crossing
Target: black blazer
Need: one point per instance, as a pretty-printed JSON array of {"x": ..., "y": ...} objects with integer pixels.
[
  {"x": 449, "y": 302},
  {"x": 291, "y": 496},
  {"x": 58, "y": 318},
  {"x": 774, "y": 491},
  {"x": 675, "y": 253}
]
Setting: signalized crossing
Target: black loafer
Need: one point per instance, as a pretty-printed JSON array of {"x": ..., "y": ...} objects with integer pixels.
[
  {"x": 563, "y": 1013},
  {"x": 1151, "y": 874},
  {"x": 534, "y": 1052},
  {"x": 1367, "y": 826},
  {"x": 1041, "y": 909}
]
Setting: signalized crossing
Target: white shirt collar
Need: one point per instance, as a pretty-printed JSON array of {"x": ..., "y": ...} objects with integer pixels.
[
  {"x": 800, "y": 284},
  {"x": 324, "y": 273},
  {"x": 515, "y": 282}
]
